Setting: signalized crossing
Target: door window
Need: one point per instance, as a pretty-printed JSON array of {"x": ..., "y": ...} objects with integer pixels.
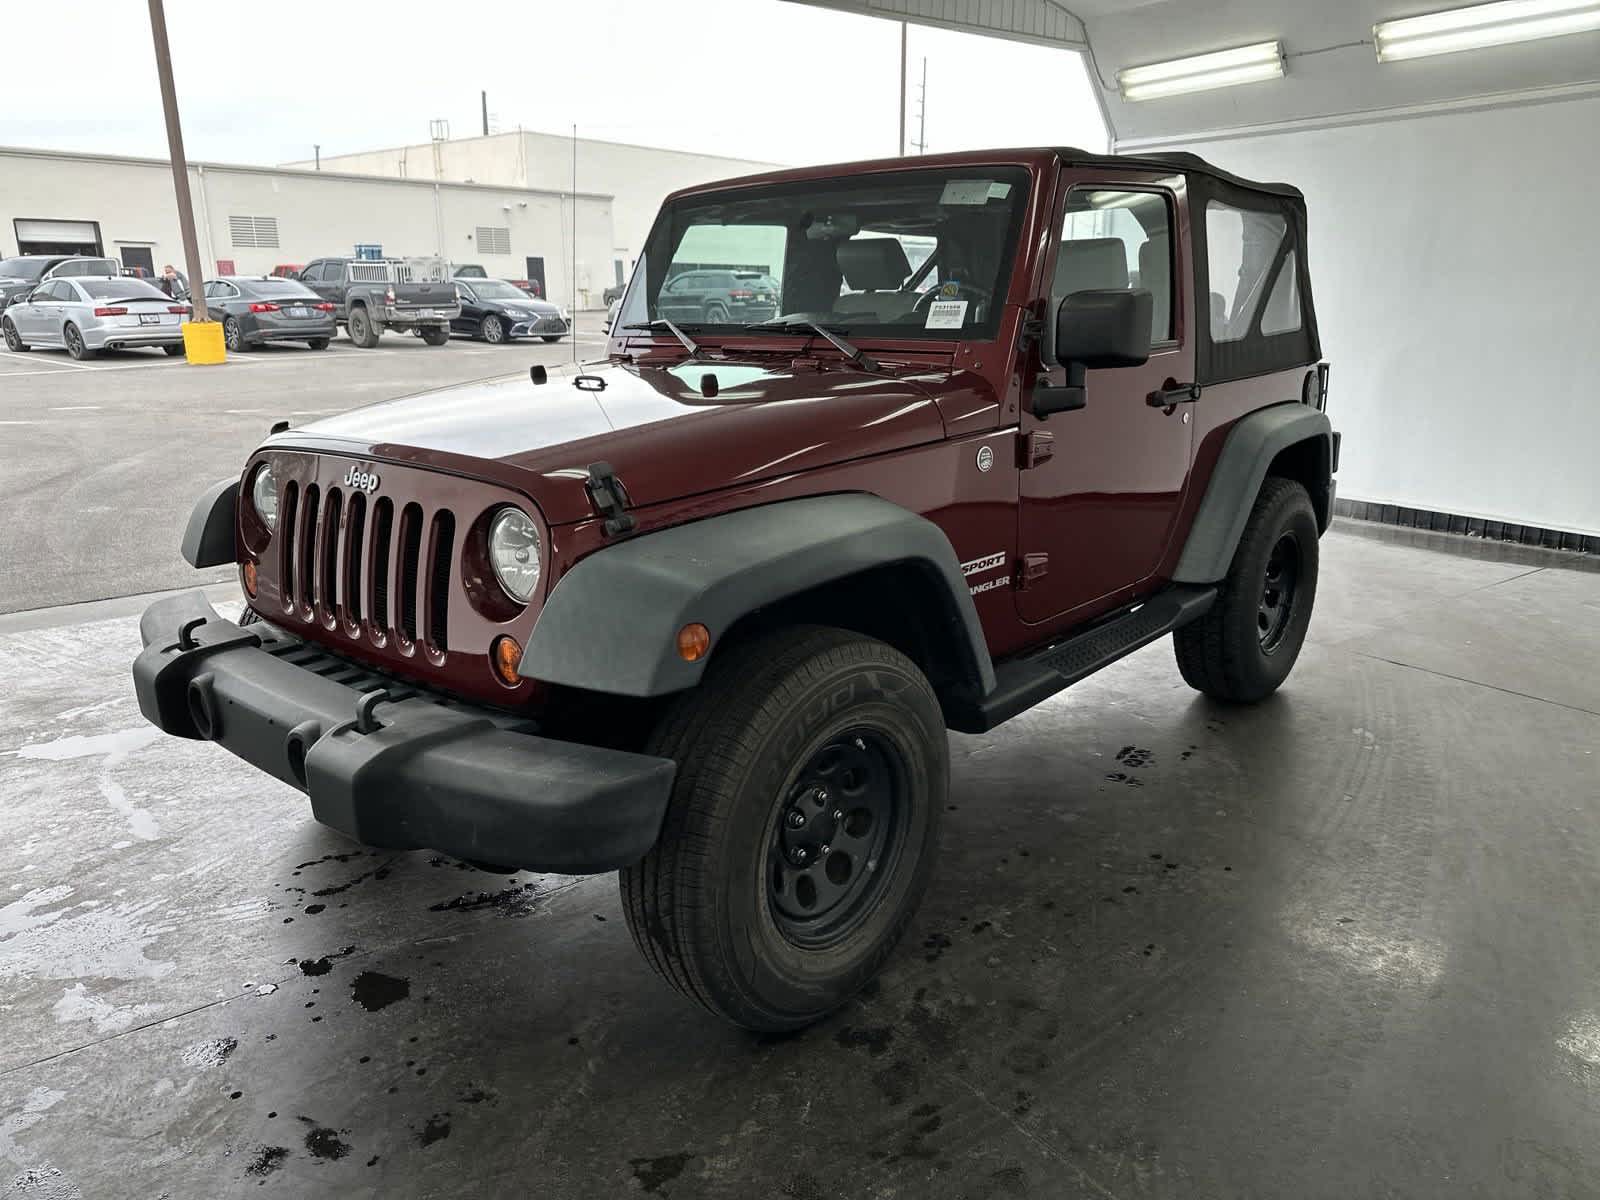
[{"x": 1118, "y": 240}]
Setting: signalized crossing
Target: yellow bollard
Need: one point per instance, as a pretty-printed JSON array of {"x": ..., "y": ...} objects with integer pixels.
[{"x": 202, "y": 343}]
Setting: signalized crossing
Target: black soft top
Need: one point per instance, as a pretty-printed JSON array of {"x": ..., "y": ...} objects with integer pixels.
[{"x": 1182, "y": 160}]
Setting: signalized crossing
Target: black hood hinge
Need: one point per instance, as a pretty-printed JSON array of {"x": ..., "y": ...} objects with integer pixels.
[{"x": 610, "y": 498}]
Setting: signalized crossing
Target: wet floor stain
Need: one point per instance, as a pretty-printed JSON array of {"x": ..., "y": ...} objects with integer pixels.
[
  {"x": 334, "y": 889},
  {"x": 266, "y": 1160},
  {"x": 436, "y": 1129},
  {"x": 212, "y": 1052},
  {"x": 339, "y": 858},
  {"x": 518, "y": 900},
  {"x": 1136, "y": 757},
  {"x": 935, "y": 944},
  {"x": 325, "y": 1143},
  {"x": 373, "y": 990},
  {"x": 652, "y": 1173},
  {"x": 1123, "y": 777},
  {"x": 321, "y": 966},
  {"x": 876, "y": 1041}
]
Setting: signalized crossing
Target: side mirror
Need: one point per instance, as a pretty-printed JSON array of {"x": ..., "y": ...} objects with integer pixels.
[{"x": 1095, "y": 330}]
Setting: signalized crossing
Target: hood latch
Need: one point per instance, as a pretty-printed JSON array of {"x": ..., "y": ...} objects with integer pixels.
[{"x": 610, "y": 498}]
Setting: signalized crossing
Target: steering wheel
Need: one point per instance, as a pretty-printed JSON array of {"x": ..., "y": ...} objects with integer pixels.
[{"x": 963, "y": 291}]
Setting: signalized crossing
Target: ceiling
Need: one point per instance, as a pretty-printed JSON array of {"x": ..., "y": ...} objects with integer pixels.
[{"x": 1331, "y": 71}]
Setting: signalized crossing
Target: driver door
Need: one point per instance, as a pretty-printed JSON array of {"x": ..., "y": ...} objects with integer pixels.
[{"x": 1098, "y": 508}]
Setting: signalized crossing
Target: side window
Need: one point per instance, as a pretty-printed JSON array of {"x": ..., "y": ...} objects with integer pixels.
[
  {"x": 1282, "y": 313},
  {"x": 1241, "y": 247},
  {"x": 1117, "y": 239},
  {"x": 51, "y": 291}
]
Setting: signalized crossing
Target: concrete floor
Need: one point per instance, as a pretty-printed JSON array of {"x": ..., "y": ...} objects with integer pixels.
[{"x": 1340, "y": 945}]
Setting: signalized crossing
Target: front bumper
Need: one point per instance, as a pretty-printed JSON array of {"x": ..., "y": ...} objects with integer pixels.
[
  {"x": 390, "y": 766},
  {"x": 539, "y": 327}
]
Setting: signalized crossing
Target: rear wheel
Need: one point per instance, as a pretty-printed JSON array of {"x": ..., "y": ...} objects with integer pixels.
[
  {"x": 362, "y": 331},
  {"x": 74, "y": 341},
  {"x": 550, "y": 337},
  {"x": 173, "y": 349},
  {"x": 493, "y": 330},
  {"x": 233, "y": 335},
  {"x": 318, "y": 343},
  {"x": 812, "y": 772},
  {"x": 716, "y": 314},
  {"x": 14, "y": 341},
  {"x": 1247, "y": 642},
  {"x": 436, "y": 335}
]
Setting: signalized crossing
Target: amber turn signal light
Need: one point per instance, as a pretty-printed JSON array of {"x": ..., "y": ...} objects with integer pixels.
[
  {"x": 507, "y": 658},
  {"x": 248, "y": 573},
  {"x": 694, "y": 639}
]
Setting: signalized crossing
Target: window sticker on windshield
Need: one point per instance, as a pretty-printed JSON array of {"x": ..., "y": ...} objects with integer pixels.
[
  {"x": 999, "y": 191},
  {"x": 969, "y": 191},
  {"x": 946, "y": 314}
]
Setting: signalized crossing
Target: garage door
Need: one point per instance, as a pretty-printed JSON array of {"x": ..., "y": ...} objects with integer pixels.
[{"x": 57, "y": 237}]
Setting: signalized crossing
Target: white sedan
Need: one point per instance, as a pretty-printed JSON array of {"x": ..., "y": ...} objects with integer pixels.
[{"x": 86, "y": 315}]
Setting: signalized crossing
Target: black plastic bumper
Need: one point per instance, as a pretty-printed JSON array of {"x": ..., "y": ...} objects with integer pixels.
[{"x": 390, "y": 767}]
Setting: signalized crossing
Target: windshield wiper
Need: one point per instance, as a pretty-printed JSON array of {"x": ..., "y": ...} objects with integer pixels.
[
  {"x": 857, "y": 356},
  {"x": 689, "y": 343}
]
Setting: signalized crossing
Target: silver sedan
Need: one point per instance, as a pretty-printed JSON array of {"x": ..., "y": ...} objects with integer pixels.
[{"x": 85, "y": 316}]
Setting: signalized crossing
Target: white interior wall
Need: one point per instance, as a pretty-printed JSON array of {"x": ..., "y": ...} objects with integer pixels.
[{"x": 1455, "y": 266}]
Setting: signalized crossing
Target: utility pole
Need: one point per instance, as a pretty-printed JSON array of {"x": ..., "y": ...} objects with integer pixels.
[
  {"x": 484, "y": 97},
  {"x": 902, "y": 149},
  {"x": 572, "y": 331},
  {"x": 922, "y": 111},
  {"x": 180, "y": 164},
  {"x": 316, "y": 149}
]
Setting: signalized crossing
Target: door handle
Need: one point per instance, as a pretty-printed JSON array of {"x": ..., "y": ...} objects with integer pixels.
[{"x": 1173, "y": 393}]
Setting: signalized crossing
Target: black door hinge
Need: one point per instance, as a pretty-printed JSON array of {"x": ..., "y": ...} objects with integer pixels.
[
  {"x": 1035, "y": 447},
  {"x": 609, "y": 498},
  {"x": 1034, "y": 568}
]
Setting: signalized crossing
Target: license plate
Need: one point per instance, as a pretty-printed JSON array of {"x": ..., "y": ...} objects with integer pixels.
[
  {"x": 149, "y": 318},
  {"x": 299, "y": 310},
  {"x": 427, "y": 312}
]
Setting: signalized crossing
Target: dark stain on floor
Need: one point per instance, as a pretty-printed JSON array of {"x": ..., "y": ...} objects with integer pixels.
[
  {"x": 875, "y": 1040},
  {"x": 374, "y": 990},
  {"x": 436, "y": 1129},
  {"x": 321, "y": 966},
  {"x": 325, "y": 1143},
  {"x": 266, "y": 1160},
  {"x": 653, "y": 1172},
  {"x": 1136, "y": 757},
  {"x": 518, "y": 900},
  {"x": 334, "y": 889}
]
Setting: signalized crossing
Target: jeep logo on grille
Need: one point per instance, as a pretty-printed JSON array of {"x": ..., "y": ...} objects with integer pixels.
[{"x": 362, "y": 481}]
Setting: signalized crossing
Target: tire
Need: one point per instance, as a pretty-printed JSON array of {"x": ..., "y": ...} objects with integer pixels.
[
  {"x": 361, "y": 329},
  {"x": 14, "y": 342},
  {"x": 318, "y": 343},
  {"x": 492, "y": 330},
  {"x": 770, "y": 722},
  {"x": 549, "y": 337},
  {"x": 436, "y": 335},
  {"x": 233, "y": 336},
  {"x": 74, "y": 343},
  {"x": 1245, "y": 645},
  {"x": 172, "y": 351},
  {"x": 716, "y": 315}
]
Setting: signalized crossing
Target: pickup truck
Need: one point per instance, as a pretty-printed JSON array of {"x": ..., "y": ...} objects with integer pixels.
[
  {"x": 371, "y": 295},
  {"x": 703, "y": 614}
]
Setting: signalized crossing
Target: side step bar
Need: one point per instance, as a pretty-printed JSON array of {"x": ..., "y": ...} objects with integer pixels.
[{"x": 1020, "y": 683}]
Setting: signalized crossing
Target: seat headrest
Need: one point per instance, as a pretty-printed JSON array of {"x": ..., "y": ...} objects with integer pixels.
[
  {"x": 873, "y": 264},
  {"x": 1090, "y": 264}
]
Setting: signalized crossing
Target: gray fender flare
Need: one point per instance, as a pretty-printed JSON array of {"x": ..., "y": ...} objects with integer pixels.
[
  {"x": 208, "y": 538},
  {"x": 1253, "y": 442},
  {"x": 611, "y": 623}
]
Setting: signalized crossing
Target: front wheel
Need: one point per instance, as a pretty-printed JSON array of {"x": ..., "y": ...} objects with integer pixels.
[
  {"x": 812, "y": 772},
  {"x": 550, "y": 337},
  {"x": 173, "y": 349},
  {"x": 1245, "y": 645},
  {"x": 318, "y": 343},
  {"x": 436, "y": 335},
  {"x": 75, "y": 346},
  {"x": 14, "y": 342},
  {"x": 493, "y": 330}
]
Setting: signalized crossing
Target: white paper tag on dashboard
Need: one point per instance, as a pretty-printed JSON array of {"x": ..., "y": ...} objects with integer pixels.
[
  {"x": 946, "y": 314},
  {"x": 966, "y": 191}
]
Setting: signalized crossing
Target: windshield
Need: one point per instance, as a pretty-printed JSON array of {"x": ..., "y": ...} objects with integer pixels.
[
  {"x": 499, "y": 289},
  {"x": 23, "y": 268},
  {"x": 907, "y": 254}
]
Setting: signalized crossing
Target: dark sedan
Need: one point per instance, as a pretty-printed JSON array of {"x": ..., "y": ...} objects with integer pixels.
[
  {"x": 498, "y": 311},
  {"x": 19, "y": 276},
  {"x": 255, "y": 309}
]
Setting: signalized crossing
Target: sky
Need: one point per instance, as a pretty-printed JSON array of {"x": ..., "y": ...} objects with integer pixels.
[{"x": 758, "y": 79}]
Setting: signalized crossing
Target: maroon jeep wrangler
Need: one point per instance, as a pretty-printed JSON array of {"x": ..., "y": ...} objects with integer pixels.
[{"x": 703, "y": 614}]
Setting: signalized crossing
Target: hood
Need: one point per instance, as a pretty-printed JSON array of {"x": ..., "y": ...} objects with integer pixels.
[{"x": 653, "y": 424}]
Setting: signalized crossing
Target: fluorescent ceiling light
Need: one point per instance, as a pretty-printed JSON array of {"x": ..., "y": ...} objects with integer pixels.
[
  {"x": 1247, "y": 64},
  {"x": 1483, "y": 25}
]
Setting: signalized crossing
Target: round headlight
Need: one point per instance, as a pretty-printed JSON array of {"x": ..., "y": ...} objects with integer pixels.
[
  {"x": 514, "y": 553},
  {"x": 264, "y": 496}
]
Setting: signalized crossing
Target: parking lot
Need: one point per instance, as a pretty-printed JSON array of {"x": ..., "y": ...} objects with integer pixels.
[{"x": 107, "y": 456}]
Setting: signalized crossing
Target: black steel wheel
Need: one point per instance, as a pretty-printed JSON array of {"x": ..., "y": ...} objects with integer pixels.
[
  {"x": 1246, "y": 644},
  {"x": 799, "y": 837}
]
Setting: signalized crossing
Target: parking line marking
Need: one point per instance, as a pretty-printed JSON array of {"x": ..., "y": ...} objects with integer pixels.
[{"x": 77, "y": 408}]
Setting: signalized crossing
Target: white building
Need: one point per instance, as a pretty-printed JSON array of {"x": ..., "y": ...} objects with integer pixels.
[
  {"x": 251, "y": 219},
  {"x": 637, "y": 177}
]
